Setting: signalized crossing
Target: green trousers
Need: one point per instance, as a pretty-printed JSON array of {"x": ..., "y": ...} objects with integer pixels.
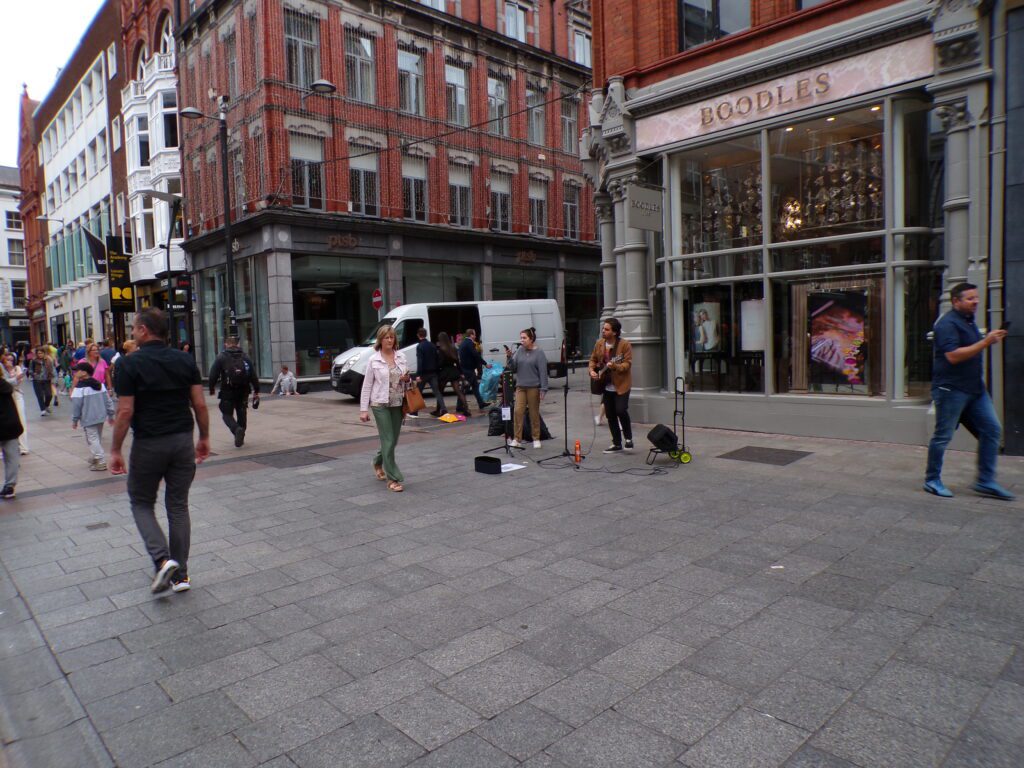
[{"x": 389, "y": 426}]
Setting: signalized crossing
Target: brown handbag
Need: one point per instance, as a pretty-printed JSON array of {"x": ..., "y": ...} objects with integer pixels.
[{"x": 413, "y": 400}]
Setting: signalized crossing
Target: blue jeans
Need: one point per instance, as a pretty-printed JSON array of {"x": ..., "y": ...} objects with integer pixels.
[{"x": 979, "y": 417}]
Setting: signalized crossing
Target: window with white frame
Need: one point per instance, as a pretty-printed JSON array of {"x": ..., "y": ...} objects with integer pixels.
[
  {"x": 231, "y": 63},
  {"x": 515, "y": 21},
  {"x": 115, "y": 133},
  {"x": 143, "y": 228},
  {"x": 535, "y": 116},
  {"x": 456, "y": 88},
  {"x": 538, "y": 207},
  {"x": 16, "y": 253},
  {"x": 437, "y": 5},
  {"x": 167, "y": 36},
  {"x": 360, "y": 74},
  {"x": 414, "y": 188},
  {"x": 112, "y": 60},
  {"x": 90, "y": 159},
  {"x": 581, "y": 47},
  {"x": 301, "y": 48},
  {"x": 460, "y": 194},
  {"x": 362, "y": 179},
  {"x": 570, "y": 125},
  {"x": 498, "y": 106},
  {"x": 169, "y": 102},
  {"x": 410, "y": 82},
  {"x": 101, "y": 149},
  {"x": 307, "y": 155},
  {"x": 571, "y": 209},
  {"x": 12, "y": 220},
  {"x": 19, "y": 294},
  {"x": 138, "y": 141},
  {"x": 501, "y": 202}
]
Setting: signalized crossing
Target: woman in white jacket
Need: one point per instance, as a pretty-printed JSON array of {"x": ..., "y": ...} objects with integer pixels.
[
  {"x": 387, "y": 377},
  {"x": 14, "y": 375}
]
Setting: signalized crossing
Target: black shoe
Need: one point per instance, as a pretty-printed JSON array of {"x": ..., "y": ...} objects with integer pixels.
[
  {"x": 436, "y": 413},
  {"x": 7, "y": 492},
  {"x": 239, "y": 437},
  {"x": 629, "y": 445},
  {"x": 613, "y": 449},
  {"x": 163, "y": 577}
]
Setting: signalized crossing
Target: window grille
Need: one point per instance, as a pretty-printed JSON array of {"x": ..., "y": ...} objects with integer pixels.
[
  {"x": 302, "y": 48},
  {"x": 360, "y": 75}
]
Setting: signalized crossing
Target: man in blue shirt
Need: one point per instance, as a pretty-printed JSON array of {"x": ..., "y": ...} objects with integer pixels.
[
  {"x": 428, "y": 365},
  {"x": 959, "y": 394}
]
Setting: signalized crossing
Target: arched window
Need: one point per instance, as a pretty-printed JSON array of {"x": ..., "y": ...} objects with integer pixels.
[
  {"x": 166, "y": 36},
  {"x": 140, "y": 63}
]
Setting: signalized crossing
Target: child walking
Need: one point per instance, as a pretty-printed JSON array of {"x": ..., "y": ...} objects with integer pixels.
[{"x": 91, "y": 406}]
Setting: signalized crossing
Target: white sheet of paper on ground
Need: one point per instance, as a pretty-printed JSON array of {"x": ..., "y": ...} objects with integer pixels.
[{"x": 512, "y": 467}]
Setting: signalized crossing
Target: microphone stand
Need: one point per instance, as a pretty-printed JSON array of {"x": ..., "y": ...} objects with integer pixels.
[{"x": 565, "y": 407}]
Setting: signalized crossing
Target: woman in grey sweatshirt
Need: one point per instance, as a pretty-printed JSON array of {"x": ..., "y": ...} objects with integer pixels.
[{"x": 530, "y": 366}]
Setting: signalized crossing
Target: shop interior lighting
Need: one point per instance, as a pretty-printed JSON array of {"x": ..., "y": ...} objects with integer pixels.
[
  {"x": 789, "y": 129},
  {"x": 830, "y": 119},
  {"x": 876, "y": 108}
]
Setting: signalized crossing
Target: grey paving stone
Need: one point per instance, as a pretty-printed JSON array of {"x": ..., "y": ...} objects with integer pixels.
[
  {"x": 500, "y": 682},
  {"x": 656, "y": 602},
  {"x": 772, "y": 633},
  {"x": 612, "y": 741},
  {"x": 956, "y": 653},
  {"x": 234, "y": 610},
  {"x": 430, "y": 718},
  {"x": 543, "y": 761},
  {"x": 156, "y": 635},
  {"x": 868, "y": 738},
  {"x": 581, "y": 697},
  {"x": 94, "y": 629},
  {"x": 682, "y": 704},
  {"x": 1014, "y": 669},
  {"x": 748, "y": 738},
  {"x": 617, "y": 626},
  {"x": 40, "y": 711},
  {"x": 225, "y": 752},
  {"x": 724, "y": 610},
  {"x": 801, "y": 701},
  {"x": 283, "y": 621},
  {"x": 122, "y": 708},
  {"x": 523, "y": 730},
  {"x": 29, "y": 670},
  {"x": 369, "y": 742},
  {"x": 738, "y": 664},
  {"x": 809, "y": 612},
  {"x": 810, "y": 757},
  {"x": 116, "y": 676},
  {"x": 173, "y": 730},
  {"x": 216, "y": 674},
  {"x": 848, "y": 658},
  {"x": 691, "y": 632},
  {"x": 915, "y": 596},
  {"x": 467, "y": 751},
  {"x": 73, "y": 746},
  {"x": 76, "y": 612},
  {"x": 838, "y": 591},
  {"x": 376, "y": 691},
  {"x": 288, "y": 684},
  {"x": 295, "y": 646},
  {"x": 1007, "y": 574},
  {"x": 290, "y": 728},
  {"x": 922, "y": 696},
  {"x": 886, "y": 621},
  {"x": 1002, "y": 713},
  {"x": 568, "y": 646},
  {"x": 373, "y": 651},
  {"x": 978, "y": 749},
  {"x": 257, "y": 583},
  {"x": 209, "y": 645},
  {"x": 467, "y": 650},
  {"x": 642, "y": 660}
]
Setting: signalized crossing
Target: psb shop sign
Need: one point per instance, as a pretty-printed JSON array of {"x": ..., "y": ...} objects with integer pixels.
[{"x": 644, "y": 208}]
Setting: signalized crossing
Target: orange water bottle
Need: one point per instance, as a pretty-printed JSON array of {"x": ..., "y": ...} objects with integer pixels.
[{"x": 578, "y": 455}]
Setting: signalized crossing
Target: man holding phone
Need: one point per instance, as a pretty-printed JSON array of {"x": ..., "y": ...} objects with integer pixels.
[{"x": 959, "y": 394}]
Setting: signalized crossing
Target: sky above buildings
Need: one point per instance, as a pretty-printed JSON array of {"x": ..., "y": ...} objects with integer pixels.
[{"x": 37, "y": 37}]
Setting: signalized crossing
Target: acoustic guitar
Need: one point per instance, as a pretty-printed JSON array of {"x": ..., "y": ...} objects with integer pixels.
[{"x": 597, "y": 385}]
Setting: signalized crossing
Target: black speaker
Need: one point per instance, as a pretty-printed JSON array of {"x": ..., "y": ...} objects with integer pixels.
[{"x": 663, "y": 438}]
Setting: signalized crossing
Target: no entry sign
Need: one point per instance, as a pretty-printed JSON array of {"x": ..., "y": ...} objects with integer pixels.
[{"x": 378, "y": 298}]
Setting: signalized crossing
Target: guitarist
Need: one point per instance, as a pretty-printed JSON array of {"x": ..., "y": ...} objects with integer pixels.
[{"x": 610, "y": 365}]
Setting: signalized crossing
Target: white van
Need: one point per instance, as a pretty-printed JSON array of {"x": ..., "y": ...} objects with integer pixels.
[{"x": 497, "y": 325}]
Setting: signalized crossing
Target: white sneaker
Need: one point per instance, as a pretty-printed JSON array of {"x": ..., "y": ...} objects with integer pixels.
[
  {"x": 536, "y": 443},
  {"x": 162, "y": 580},
  {"x": 515, "y": 443}
]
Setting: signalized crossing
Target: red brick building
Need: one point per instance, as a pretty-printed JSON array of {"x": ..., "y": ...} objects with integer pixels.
[
  {"x": 31, "y": 173},
  {"x": 444, "y": 167},
  {"x": 786, "y": 189}
]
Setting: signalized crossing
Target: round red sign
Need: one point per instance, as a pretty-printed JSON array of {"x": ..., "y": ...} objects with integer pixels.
[{"x": 378, "y": 298}]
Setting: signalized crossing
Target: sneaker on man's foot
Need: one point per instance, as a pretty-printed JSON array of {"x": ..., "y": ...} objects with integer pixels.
[
  {"x": 536, "y": 444},
  {"x": 936, "y": 488},
  {"x": 628, "y": 445},
  {"x": 7, "y": 492},
  {"x": 513, "y": 443},
  {"x": 162, "y": 580},
  {"x": 613, "y": 449},
  {"x": 181, "y": 584},
  {"x": 239, "y": 437},
  {"x": 98, "y": 466},
  {"x": 995, "y": 490}
]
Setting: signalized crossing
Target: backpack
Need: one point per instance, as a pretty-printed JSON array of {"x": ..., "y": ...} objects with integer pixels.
[{"x": 236, "y": 372}]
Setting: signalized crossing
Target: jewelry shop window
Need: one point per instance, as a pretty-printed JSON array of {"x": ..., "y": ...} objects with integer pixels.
[{"x": 725, "y": 337}]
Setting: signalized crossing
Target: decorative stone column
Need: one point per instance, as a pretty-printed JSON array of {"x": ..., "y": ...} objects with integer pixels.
[
  {"x": 606, "y": 221},
  {"x": 282, "y": 315},
  {"x": 957, "y": 200}
]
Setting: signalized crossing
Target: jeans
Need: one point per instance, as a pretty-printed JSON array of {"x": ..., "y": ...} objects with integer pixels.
[
  {"x": 12, "y": 461},
  {"x": 432, "y": 380},
  {"x": 171, "y": 458},
  {"x": 474, "y": 386},
  {"x": 44, "y": 392},
  {"x": 616, "y": 408},
  {"x": 527, "y": 397},
  {"x": 389, "y": 427},
  {"x": 977, "y": 414},
  {"x": 234, "y": 411},
  {"x": 94, "y": 439}
]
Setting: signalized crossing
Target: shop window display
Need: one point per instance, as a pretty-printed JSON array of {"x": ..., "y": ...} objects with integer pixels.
[
  {"x": 827, "y": 176},
  {"x": 725, "y": 338},
  {"x": 720, "y": 198},
  {"x": 843, "y": 253}
]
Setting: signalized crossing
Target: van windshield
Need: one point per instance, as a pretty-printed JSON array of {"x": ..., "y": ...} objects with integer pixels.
[{"x": 372, "y": 338}]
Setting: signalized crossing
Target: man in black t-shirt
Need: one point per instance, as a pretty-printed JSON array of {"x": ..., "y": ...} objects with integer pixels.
[
  {"x": 236, "y": 374},
  {"x": 158, "y": 389}
]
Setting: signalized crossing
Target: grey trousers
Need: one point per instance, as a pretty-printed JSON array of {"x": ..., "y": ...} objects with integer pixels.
[
  {"x": 12, "y": 460},
  {"x": 94, "y": 439},
  {"x": 171, "y": 458}
]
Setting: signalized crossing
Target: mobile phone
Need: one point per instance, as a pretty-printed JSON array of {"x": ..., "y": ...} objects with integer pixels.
[{"x": 1006, "y": 325}]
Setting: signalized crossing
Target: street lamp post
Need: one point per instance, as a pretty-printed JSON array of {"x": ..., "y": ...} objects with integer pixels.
[
  {"x": 321, "y": 87},
  {"x": 175, "y": 202}
]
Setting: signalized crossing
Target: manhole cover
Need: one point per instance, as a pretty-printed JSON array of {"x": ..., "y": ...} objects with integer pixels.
[
  {"x": 291, "y": 459},
  {"x": 778, "y": 457}
]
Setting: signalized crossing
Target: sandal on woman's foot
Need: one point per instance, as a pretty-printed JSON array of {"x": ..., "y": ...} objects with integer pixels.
[
  {"x": 379, "y": 471},
  {"x": 395, "y": 486}
]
